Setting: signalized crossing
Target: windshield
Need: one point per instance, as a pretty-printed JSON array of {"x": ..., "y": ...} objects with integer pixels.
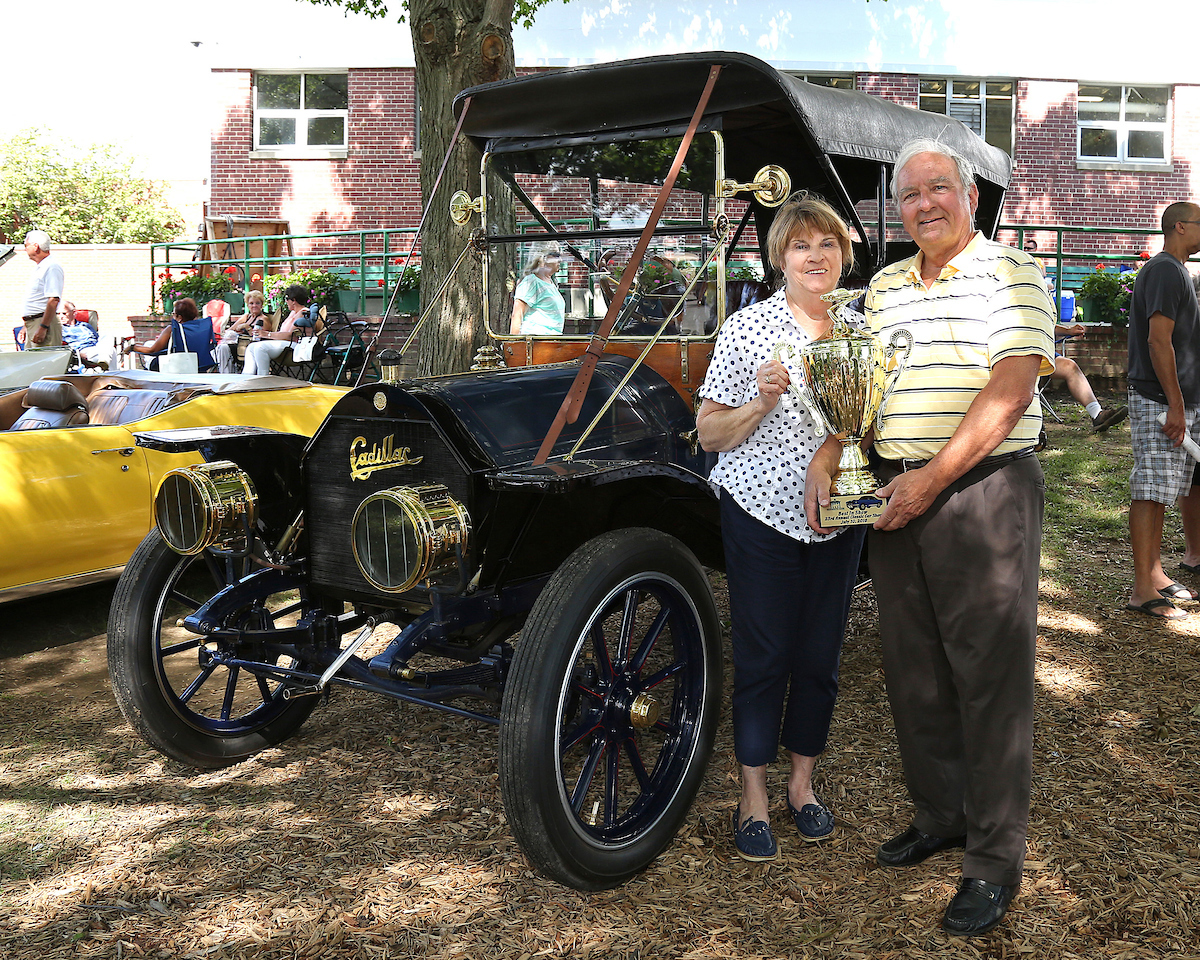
[{"x": 578, "y": 211}]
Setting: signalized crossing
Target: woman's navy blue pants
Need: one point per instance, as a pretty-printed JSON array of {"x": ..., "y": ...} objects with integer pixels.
[{"x": 789, "y": 602}]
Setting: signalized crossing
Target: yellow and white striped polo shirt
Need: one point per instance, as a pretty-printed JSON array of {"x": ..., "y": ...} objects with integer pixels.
[{"x": 989, "y": 302}]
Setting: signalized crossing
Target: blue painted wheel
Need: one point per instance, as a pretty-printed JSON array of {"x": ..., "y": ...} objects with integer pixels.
[
  {"x": 610, "y": 708},
  {"x": 174, "y": 687}
]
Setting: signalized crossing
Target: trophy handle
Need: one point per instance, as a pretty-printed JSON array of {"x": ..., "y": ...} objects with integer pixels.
[
  {"x": 799, "y": 386},
  {"x": 892, "y": 349}
]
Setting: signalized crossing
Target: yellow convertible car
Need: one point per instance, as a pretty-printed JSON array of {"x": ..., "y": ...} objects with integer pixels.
[{"x": 77, "y": 492}]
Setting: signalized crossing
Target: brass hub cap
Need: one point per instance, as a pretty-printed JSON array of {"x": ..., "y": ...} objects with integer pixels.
[{"x": 643, "y": 712}]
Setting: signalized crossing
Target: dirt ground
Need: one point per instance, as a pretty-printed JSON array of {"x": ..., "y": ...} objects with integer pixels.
[{"x": 379, "y": 833}]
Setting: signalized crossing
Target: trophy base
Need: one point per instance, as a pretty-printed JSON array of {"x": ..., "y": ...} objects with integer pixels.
[{"x": 851, "y": 510}]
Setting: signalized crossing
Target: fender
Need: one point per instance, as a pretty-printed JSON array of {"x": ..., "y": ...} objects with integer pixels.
[
  {"x": 271, "y": 459},
  {"x": 562, "y": 505}
]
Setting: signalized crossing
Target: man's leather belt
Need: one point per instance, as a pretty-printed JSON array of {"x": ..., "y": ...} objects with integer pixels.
[
  {"x": 903, "y": 466},
  {"x": 35, "y": 316}
]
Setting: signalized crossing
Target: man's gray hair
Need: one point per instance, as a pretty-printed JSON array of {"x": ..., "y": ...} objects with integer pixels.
[
  {"x": 39, "y": 237},
  {"x": 966, "y": 173}
]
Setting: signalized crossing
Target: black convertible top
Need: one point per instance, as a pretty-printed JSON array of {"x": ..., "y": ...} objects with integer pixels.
[{"x": 833, "y": 141}]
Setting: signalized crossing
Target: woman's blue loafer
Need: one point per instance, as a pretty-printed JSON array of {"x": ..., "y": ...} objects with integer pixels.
[
  {"x": 813, "y": 820},
  {"x": 753, "y": 839}
]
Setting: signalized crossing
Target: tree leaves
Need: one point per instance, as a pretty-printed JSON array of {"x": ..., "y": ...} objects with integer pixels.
[
  {"x": 79, "y": 195},
  {"x": 523, "y": 10}
]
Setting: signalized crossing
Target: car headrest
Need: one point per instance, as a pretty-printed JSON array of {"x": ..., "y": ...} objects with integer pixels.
[{"x": 53, "y": 395}]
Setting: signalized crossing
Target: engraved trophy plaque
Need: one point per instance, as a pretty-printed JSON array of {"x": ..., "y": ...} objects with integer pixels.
[{"x": 845, "y": 386}]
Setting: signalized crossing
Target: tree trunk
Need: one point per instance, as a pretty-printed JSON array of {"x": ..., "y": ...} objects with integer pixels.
[{"x": 457, "y": 44}]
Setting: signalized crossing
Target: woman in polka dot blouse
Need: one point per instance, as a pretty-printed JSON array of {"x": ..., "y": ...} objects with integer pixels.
[{"x": 789, "y": 587}]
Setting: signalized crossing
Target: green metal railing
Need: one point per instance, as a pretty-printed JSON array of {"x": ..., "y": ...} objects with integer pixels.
[
  {"x": 1059, "y": 257},
  {"x": 377, "y": 251},
  {"x": 373, "y": 261}
]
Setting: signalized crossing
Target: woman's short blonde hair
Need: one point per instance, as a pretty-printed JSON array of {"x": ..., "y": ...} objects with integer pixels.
[
  {"x": 255, "y": 295},
  {"x": 805, "y": 212}
]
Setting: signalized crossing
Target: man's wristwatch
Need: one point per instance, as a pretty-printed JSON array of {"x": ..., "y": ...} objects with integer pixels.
[{"x": 45, "y": 326}]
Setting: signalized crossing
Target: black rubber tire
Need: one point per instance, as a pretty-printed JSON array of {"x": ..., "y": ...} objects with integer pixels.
[
  {"x": 568, "y": 738},
  {"x": 152, "y": 663}
]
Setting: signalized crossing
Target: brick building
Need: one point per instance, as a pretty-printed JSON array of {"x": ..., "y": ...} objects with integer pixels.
[
  {"x": 338, "y": 149},
  {"x": 364, "y": 174}
]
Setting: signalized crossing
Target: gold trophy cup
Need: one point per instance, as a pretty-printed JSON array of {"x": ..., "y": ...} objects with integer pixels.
[{"x": 845, "y": 386}]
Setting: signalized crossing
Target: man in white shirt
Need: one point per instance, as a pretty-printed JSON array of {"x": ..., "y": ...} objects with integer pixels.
[{"x": 40, "y": 313}]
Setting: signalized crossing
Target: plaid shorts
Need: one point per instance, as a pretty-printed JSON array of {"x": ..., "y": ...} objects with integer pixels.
[{"x": 1161, "y": 472}]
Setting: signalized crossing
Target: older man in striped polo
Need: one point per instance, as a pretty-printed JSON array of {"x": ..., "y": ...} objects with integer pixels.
[{"x": 955, "y": 555}]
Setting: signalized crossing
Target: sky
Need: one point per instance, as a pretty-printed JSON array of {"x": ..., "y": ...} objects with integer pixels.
[
  {"x": 135, "y": 73},
  {"x": 131, "y": 73}
]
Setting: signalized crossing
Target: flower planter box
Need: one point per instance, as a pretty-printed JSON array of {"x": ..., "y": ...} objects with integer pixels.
[
  {"x": 408, "y": 302},
  {"x": 235, "y": 299}
]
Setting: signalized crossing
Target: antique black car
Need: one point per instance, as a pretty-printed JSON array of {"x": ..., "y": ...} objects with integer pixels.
[{"x": 472, "y": 542}]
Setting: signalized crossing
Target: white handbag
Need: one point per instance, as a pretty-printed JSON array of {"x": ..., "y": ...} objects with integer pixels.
[
  {"x": 302, "y": 349},
  {"x": 178, "y": 361}
]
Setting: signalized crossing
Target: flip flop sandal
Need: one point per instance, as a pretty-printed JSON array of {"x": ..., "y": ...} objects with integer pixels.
[
  {"x": 1176, "y": 591},
  {"x": 1150, "y": 606}
]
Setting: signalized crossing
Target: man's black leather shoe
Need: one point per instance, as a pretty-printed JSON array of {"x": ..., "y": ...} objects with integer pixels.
[
  {"x": 977, "y": 907},
  {"x": 913, "y": 846}
]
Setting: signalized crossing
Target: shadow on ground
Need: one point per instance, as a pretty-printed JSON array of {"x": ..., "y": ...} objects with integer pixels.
[{"x": 379, "y": 832}]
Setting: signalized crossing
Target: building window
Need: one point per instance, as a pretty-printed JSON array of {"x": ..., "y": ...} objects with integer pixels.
[
  {"x": 300, "y": 110},
  {"x": 1123, "y": 124},
  {"x": 842, "y": 81},
  {"x": 986, "y": 106}
]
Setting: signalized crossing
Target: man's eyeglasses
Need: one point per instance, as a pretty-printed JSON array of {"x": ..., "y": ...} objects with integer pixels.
[{"x": 1187, "y": 221}]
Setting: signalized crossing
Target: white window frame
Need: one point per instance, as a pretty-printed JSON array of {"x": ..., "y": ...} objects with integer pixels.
[
  {"x": 1123, "y": 128},
  {"x": 301, "y": 115},
  {"x": 980, "y": 102}
]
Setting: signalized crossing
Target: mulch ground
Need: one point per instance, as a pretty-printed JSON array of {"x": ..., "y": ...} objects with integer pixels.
[{"x": 378, "y": 832}]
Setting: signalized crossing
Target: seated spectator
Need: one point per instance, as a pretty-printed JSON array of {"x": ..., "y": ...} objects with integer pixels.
[
  {"x": 79, "y": 334},
  {"x": 1030, "y": 246},
  {"x": 82, "y": 333},
  {"x": 270, "y": 344},
  {"x": 237, "y": 326},
  {"x": 1067, "y": 370},
  {"x": 196, "y": 337}
]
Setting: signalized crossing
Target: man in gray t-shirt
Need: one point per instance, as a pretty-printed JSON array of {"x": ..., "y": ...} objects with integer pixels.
[
  {"x": 1164, "y": 286},
  {"x": 1164, "y": 380}
]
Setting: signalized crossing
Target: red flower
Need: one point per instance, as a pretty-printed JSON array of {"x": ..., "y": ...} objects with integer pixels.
[
  {"x": 380, "y": 282},
  {"x": 1143, "y": 255},
  {"x": 353, "y": 272},
  {"x": 231, "y": 270},
  {"x": 1099, "y": 266},
  {"x": 256, "y": 277},
  {"x": 398, "y": 261}
]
